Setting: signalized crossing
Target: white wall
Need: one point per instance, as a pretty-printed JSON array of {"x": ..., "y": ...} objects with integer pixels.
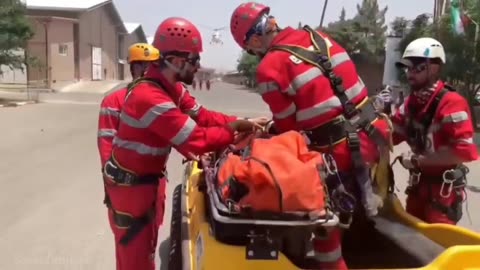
[{"x": 392, "y": 55}]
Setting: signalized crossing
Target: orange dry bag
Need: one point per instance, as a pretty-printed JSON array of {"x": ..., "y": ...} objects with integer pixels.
[{"x": 277, "y": 175}]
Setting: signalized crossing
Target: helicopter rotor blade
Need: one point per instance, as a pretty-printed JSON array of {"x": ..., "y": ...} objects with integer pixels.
[{"x": 220, "y": 28}]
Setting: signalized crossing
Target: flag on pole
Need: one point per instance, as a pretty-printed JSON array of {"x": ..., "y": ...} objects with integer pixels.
[{"x": 456, "y": 15}]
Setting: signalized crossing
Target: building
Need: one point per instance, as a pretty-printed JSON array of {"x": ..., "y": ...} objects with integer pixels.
[
  {"x": 135, "y": 34},
  {"x": 204, "y": 74},
  {"x": 75, "y": 41},
  {"x": 392, "y": 55}
]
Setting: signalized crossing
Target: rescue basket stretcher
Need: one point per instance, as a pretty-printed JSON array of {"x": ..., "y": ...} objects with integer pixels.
[
  {"x": 230, "y": 226},
  {"x": 206, "y": 234}
]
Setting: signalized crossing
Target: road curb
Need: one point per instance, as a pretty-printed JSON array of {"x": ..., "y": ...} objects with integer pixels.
[{"x": 17, "y": 103}]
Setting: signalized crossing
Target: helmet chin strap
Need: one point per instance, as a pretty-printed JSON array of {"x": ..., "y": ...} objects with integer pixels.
[{"x": 173, "y": 67}]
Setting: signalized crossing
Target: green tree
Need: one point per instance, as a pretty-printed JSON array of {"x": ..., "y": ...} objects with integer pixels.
[
  {"x": 343, "y": 15},
  {"x": 399, "y": 26},
  {"x": 343, "y": 32},
  {"x": 15, "y": 31},
  {"x": 247, "y": 66},
  {"x": 420, "y": 27},
  {"x": 370, "y": 22}
]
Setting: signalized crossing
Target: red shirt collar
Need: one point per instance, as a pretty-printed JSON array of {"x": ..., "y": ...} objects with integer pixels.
[
  {"x": 282, "y": 35},
  {"x": 440, "y": 86},
  {"x": 174, "y": 91}
]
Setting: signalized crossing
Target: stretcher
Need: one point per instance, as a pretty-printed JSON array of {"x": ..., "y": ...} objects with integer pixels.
[{"x": 204, "y": 235}]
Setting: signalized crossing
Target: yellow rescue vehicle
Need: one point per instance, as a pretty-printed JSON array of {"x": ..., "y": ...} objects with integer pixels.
[{"x": 206, "y": 235}]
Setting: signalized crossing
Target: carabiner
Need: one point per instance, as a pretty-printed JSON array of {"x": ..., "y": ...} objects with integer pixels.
[
  {"x": 449, "y": 183},
  {"x": 344, "y": 201},
  {"x": 110, "y": 164},
  {"x": 330, "y": 163}
]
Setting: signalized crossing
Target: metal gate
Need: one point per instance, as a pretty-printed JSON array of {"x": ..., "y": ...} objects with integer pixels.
[{"x": 96, "y": 63}]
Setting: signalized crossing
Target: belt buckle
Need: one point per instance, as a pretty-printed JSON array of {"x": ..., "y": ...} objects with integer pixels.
[
  {"x": 415, "y": 178},
  {"x": 353, "y": 120},
  {"x": 128, "y": 179},
  {"x": 105, "y": 171}
]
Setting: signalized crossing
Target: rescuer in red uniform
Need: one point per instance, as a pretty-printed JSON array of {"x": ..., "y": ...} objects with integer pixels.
[
  {"x": 139, "y": 55},
  {"x": 436, "y": 123},
  {"x": 158, "y": 115},
  {"x": 311, "y": 85}
]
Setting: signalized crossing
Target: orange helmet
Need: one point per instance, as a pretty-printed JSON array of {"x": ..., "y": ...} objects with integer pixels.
[{"x": 142, "y": 52}]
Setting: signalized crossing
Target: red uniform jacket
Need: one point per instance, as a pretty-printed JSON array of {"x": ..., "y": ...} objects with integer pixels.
[
  {"x": 451, "y": 126},
  {"x": 154, "y": 120},
  {"x": 112, "y": 104},
  {"x": 301, "y": 98},
  {"x": 108, "y": 119}
]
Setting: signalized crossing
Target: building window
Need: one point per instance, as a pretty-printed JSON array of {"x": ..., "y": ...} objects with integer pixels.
[{"x": 62, "y": 49}]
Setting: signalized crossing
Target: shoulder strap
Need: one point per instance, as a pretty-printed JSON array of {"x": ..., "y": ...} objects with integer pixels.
[
  {"x": 449, "y": 88},
  {"x": 320, "y": 57},
  {"x": 430, "y": 113},
  {"x": 427, "y": 118},
  {"x": 131, "y": 86}
]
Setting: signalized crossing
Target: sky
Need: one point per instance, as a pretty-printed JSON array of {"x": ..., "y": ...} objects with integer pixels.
[{"x": 209, "y": 14}]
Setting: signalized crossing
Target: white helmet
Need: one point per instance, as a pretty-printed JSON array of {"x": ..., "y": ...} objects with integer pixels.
[{"x": 423, "y": 48}]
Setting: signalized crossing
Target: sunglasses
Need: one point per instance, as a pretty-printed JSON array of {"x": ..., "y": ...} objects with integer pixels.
[
  {"x": 260, "y": 28},
  {"x": 193, "y": 60},
  {"x": 416, "y": 68}
]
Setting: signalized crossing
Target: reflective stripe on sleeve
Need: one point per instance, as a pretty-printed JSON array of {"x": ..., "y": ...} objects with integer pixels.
[
  {"x": 106, "y": 132},
  {"x": 265, "y": 87},
  {"x": 290, "y": 110},
  {"x": 455, "y": 117},
  {"x": 184, "y": 132},
  {"x": 110, "y": 111}
]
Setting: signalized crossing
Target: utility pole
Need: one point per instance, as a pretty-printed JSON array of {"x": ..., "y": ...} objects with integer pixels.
[{"x": 323, "y": 12}]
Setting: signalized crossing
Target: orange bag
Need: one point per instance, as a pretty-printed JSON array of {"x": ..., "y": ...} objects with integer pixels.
[{"x": 277, "y": 175}]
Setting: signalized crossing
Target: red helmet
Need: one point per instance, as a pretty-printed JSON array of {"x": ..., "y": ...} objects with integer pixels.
[
  {"x": 178, "y": 34},
  {"x": 244, "y": 18}
]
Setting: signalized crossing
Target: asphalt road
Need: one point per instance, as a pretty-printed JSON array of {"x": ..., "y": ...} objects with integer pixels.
[{"x": 51, "y": 196}]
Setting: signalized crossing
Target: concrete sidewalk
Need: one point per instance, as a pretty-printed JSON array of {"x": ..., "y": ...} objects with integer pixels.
[
  {"x": 89, "y": 92},
  {"x": 93, "y": 87},
  {"x": 14, "y": 99}
]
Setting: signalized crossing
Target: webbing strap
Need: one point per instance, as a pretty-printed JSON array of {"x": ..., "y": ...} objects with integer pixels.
[
  {"x": 132, "y": 225},
  {"x": 320, "y": 58},
  {"x": 131, "y": 86},
  {"x": 416, "y": 136}
]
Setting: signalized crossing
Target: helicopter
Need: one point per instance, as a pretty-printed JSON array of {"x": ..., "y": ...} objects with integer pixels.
[{"x": 217, "y": 36}]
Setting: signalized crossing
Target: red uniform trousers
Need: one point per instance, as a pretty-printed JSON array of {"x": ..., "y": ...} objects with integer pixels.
[
  {"x": 425, "y": 202},
  {"x": 328, "y": 249},
  {"x": 139, "y": 253},
  {"x": 328, "y": 252}
]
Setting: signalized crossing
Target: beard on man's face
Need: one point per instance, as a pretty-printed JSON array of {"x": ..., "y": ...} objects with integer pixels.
[{"x": 186, "y": 77}]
